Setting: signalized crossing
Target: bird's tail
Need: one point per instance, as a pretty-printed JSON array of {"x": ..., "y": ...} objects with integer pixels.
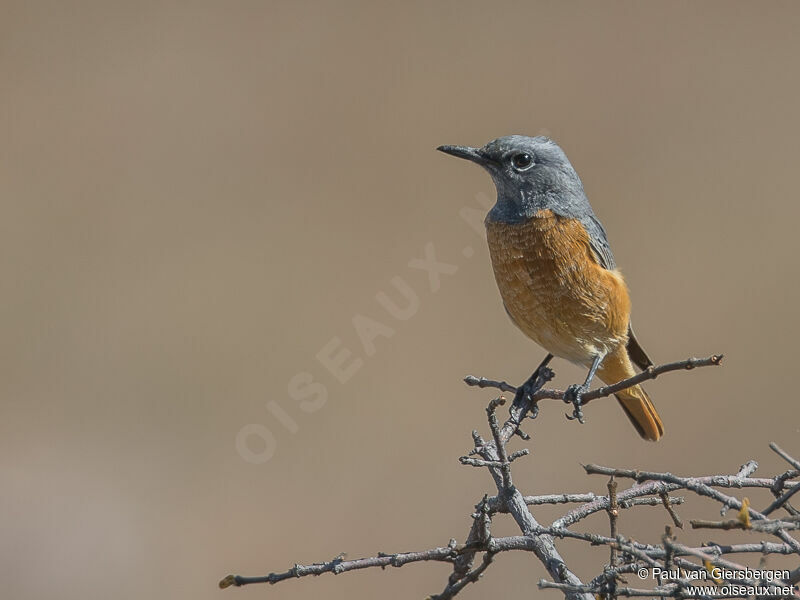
[
  {"x": 634, "y": 400},
  {"x": 640, "y": 410}
]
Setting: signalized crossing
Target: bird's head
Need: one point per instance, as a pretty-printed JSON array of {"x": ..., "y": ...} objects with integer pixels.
[{"x": 530, "y": 174}]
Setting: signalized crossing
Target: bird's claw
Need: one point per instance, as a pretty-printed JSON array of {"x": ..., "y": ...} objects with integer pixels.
[
  {"x": 525, "y": 392},
  {"x": 573, "y": 396},
  {"x": 534, "y": 412}
]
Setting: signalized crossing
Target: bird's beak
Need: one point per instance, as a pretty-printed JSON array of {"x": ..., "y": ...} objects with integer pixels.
[{"x": 473, "y": 154}]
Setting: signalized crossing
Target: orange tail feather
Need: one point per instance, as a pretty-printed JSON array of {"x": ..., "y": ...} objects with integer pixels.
[
  {"x": 634, "y": 401},
  {"x": 640, "y": 410}
]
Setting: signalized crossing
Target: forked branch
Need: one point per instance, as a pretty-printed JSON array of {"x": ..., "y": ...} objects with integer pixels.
[{"x": 626, "y": 555}]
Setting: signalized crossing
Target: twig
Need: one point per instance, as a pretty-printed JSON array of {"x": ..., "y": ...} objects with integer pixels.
[
  {"x": 626, "y": 556},
  {"x": 781, "y": 501},
  {"x": 339, "y": 565},
  {"x": 747, "y": 469},
  {"x": 471, "y": 577},
  {"x": 665, "y": 500},
  {"x": 780, "y": 483},
  {"x": 482, "y": 382},
  {"x": 762, "y": 526},
  {"x": 596, "y": 591},
  {"x": 699, "y": 486},
  {"x": 499, "y": 444},
  {"x": 613, "y": 514},
  {"x": 542, "y": 545},
  {"x": 585, "y": 498},
  {"x": 601, "y": 503},
  {"x": 785, "y": 455},
  {"x": 603, "y": 392}
]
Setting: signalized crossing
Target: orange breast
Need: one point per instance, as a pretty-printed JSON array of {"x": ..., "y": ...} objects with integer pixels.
[{"x": 554, "y": 289}]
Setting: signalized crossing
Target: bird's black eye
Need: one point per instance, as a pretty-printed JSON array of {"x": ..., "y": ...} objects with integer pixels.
[{"x": 521, "y": 161}]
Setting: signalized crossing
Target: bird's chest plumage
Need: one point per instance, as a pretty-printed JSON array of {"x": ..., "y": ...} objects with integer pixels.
[{"x": 553, "y": 288}]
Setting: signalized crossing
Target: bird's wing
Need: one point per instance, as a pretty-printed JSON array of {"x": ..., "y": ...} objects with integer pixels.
[
  {"x": 602, "y": 253},
  {"x": 636, "y": 352},
  {"x": 599, "y": 242},
  {"x": 510, "y": 316}
]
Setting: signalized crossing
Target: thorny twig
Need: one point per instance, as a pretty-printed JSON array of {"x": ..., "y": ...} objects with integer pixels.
[
  {"x": 606, "y": 391},
  {"x": 626, "y": 556}
]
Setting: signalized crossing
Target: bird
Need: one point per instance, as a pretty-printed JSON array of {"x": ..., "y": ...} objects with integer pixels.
[{"x": 555, "y": 270}]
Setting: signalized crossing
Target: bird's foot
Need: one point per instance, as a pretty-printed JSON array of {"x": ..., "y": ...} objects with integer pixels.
[
  {"x": 525, "y": 392},
  {"x": 573, "y": 396},
  {"x": 543, "y": 373}
]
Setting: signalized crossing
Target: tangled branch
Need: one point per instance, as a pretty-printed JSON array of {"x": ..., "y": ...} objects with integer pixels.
[{"x": 625, "y": 555}]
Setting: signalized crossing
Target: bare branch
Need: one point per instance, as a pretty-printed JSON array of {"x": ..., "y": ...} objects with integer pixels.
[
  {"x": 542, "y": 544},
  {"x": 665, "y": 500},
  {"x": 613, "y": 514},
  {"x": 747, "y": 469},
  {"x": 471, "y": 577},
  {"x": 781, "y": 500},
  {"x": 609, "y": 390},
  {"x": 596, "y": 590},
  {"x": 601, "y": 503},
  {"x": 626, "y": 555},
  {"x": 785, "y": 456},
  {"x": 339, "y": 565},
  {"x": 768, "y": 526},
  {"x": 482, "y": 382},
  {"x": 701, "y": 486}
]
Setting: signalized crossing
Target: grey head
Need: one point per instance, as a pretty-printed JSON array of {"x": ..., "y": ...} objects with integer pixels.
[
  {"x": 533, "y": 174},
  {"x": 530, "y": 174}
]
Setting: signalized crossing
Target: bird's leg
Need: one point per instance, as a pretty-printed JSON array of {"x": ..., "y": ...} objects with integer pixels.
[
  {"x": 575, "y": 391},
  {"x": 540, "y": 368},
  {"x": 526, "y": 389}
]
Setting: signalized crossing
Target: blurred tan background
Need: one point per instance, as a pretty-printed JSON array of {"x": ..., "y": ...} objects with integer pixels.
[{"x": 197, "y": 197}]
